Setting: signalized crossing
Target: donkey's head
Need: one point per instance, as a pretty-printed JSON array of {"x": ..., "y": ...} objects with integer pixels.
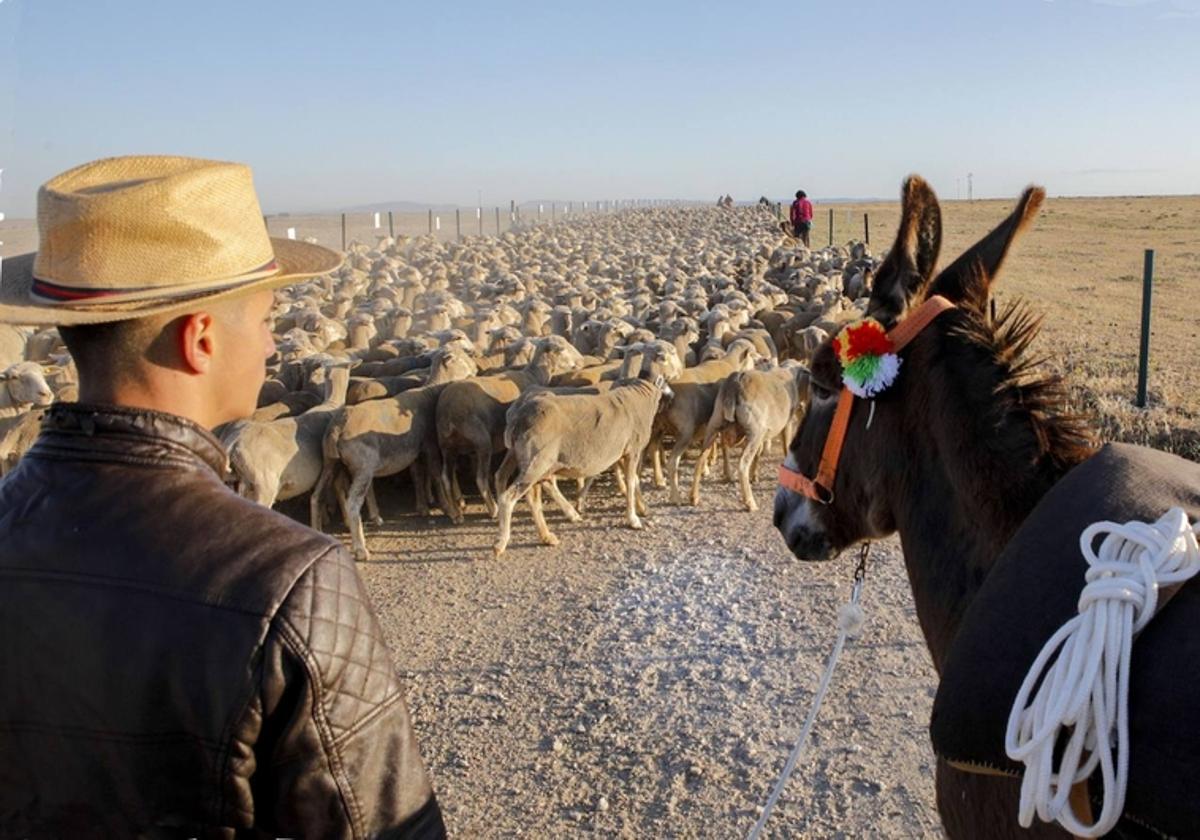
[{"x": 889, "y": 436}]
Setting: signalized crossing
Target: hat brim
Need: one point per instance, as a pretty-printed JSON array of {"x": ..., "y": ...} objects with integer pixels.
[{"x": 296, "y": 260}]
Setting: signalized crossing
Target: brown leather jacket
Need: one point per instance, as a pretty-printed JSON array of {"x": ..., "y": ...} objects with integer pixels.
[{"x": 177, "y": 661}]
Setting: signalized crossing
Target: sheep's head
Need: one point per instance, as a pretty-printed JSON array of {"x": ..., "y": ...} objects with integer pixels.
[
  {"x": 450, "y": 364},
  {"x": 26, "y": 384},
  {"x": 743, "y": 353}
]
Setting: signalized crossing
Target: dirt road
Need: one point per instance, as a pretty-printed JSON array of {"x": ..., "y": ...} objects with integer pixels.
[{"x": 651, "y": 684}]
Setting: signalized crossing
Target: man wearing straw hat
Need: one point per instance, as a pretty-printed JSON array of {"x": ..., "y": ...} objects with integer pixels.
[{"x": 175, "y": 660}]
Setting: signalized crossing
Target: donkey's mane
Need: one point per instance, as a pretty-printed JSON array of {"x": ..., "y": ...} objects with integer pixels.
[{"x": 1026, "y": 387}]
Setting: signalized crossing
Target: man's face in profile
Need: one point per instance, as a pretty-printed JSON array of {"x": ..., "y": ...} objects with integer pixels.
[{"x": 244, "y": 343}]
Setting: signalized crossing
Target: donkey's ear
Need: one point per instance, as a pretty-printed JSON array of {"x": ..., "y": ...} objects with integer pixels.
[
  {"x": 969, "y": 278},
  {"x": 909, "y": 264}
]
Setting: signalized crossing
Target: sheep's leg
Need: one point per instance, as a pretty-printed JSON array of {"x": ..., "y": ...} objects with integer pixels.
[
  {"x": 698, "y": 473},
  {"x": 561, "y": 501},
  {"x": 340, "y": 487},
  {"x": 483, "y": 479},
  {"x": 443, "y": 495},
  {"x": 784, "y": 436},
  {"x": 448, "y": 487},
  {"x": 504, "y": 475},
  {"x": 642, "y": 509},
  {"x": 681, "y": 443},
  {"x": 656, "y": 460},
  {"x": 745, "y": 464},
  {"x": 457, "y": 494},
  {"x": 725, "y": 446},
  {"x": 316, "y": 500},
  {"x": 505, "y": 504},
  {"x": 539, "y": 519},
  {"x": 762, "y": 447},
  {"x": 420, "y": 490},
  {"x": 631, "y": 485},
  {"x": 360, "y": 486},
  {"x": 373, "y": 505},
  {"x": 619, "y": 476},
  {"x": 581, "y": 499}
]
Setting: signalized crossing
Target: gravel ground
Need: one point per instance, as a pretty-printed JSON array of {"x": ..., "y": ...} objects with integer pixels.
[{"x": 651, "y": 684}]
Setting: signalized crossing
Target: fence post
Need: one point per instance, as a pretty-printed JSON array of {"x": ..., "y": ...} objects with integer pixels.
[
  {"x": 391, "y": 225},
  {"x": 457, "y": 225},
  {"x": 830, "y": 227},
  {"x": 431, "y": 220},
  {"x": 479, "y": 218},
  {"x": 497, "y": 221},
  {"x": 866, "y": 229},
  {"x": 1144, "y": 350},
  {"x": 343, "y": 231}
]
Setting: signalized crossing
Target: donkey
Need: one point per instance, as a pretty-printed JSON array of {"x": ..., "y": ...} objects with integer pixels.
[{"x": 954, "y": 455}]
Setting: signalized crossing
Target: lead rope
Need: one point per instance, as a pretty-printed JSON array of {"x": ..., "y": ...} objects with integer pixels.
[
  {"x": 1087, "y": 687},
  {"x": 850, "y": 622}
]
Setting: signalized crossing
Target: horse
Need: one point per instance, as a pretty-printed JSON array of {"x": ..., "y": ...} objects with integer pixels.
[{"x": 954, "y": 455}]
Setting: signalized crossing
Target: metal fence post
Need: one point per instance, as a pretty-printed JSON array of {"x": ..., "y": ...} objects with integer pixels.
[
  {"x": 391, "y": 225},
  {"x": 457, "y": 225},
  {"x": 830, "y": 227},
  {"x": 866, "y": 229},
  {"x": 343, "y": 231},
  {"x": 1144, "y": 350},
  {"x": 497, "y": 221},
  {"x": 431, "y": 220}
]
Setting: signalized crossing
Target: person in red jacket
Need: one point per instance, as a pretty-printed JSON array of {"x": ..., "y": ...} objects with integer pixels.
[{"x": 801, "y": 216}]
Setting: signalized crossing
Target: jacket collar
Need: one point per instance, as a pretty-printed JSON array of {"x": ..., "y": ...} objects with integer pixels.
[{"x": 131, "y": 432}]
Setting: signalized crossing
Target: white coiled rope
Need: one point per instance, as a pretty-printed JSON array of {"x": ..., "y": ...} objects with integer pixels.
[{"x": 1087, "y": 686}]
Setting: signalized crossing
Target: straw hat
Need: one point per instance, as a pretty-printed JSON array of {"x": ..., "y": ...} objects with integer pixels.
[{"x": 127, "y": 237}]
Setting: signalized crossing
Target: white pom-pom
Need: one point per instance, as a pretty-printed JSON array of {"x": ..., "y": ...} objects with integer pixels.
[{"x": 851, "y": 619}]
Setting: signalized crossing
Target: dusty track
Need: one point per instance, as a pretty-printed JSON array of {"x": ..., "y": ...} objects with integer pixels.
[{"x": 651, "y": 685}]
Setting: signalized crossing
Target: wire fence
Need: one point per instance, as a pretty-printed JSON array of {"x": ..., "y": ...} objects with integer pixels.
[{"x": 445, "y": 224}]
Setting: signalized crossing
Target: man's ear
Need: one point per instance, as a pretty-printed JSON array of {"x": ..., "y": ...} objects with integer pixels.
[
  {"x": 968, "y": 280},
  {"x": 196, "y": 341},
  {"x": 910, "y": 263}
]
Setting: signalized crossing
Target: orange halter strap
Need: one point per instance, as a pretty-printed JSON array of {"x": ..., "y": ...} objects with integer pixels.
[{"x": 820, "y": 489}]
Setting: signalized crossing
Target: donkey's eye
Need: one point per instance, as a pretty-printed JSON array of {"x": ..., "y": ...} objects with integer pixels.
[{"x": 820, "y": 391}]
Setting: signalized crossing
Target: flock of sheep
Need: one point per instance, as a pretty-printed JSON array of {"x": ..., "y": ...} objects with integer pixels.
[{"x": 565, "y": 351}]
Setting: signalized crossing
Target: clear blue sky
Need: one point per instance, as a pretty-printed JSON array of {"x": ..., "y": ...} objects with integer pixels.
[{"x": 336, "y": 104}]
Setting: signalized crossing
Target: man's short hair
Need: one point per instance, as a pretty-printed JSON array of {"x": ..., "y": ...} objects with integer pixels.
[
  {"x": 101, "y": 350},
  {"x": 801, "y": 194}
]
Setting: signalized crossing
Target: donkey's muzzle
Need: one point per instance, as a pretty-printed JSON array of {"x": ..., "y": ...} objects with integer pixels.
[{"x": 795, "y": 517}]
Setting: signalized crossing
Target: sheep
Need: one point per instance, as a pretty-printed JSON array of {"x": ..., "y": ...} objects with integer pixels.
[
  {"x": 13, "y": 341},
  {"x": 470, "y": 417},
  {"x": 687, "y": 415},
  {"x": 552, "y": 434},
  {"x": 17, "y": 435},
  {"x": 760, "y": 404},
  {"x": 379, "y": 438},
  {"x": 281, "y": 459},
  {"x": 804, "y": 343},
  {"x": 23, "y": 386}
]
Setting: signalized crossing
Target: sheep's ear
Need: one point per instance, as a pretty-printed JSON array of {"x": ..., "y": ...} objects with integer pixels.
[
  {"x": 968, "y": 279},
  {"x": 909, "y": 264}
]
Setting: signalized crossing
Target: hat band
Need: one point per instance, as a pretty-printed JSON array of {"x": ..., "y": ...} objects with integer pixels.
[{"x": 54, "y": 293}]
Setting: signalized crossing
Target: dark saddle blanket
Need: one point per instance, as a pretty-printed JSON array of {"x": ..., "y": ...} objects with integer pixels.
[{"x": 1034, "y": 589}]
